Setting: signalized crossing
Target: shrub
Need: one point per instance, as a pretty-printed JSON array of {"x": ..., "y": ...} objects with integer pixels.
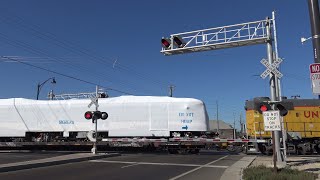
[{"x": 264, "y": 173}]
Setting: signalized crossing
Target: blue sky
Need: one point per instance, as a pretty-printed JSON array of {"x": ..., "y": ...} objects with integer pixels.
[{"x": 117, "y": 44}]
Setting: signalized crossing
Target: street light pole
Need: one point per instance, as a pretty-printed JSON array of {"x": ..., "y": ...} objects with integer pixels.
[
  {"x": 39, "y": 86},
  {"x": 315, "y": 28}
]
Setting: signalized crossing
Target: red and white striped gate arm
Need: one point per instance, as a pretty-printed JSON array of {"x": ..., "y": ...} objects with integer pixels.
[
  {"x": 204, "y": 140},
  {"x": 215, "y": 140},
  {"x": 134, "y": 140}
]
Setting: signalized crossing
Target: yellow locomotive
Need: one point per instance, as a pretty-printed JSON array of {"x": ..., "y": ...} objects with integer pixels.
[{"x": 301, "y": 124}]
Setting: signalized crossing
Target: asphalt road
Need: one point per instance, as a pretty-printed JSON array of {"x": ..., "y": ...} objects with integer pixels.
[
  {"x": 135, "y": 166},
  {"x": 27, "y": 156}
]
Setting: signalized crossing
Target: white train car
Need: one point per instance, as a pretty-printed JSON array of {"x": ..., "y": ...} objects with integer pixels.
[{"x": 129, "y": 116}]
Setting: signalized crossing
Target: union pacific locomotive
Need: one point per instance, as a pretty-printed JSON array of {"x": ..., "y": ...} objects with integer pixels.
[{"x": 301, "y": 124}]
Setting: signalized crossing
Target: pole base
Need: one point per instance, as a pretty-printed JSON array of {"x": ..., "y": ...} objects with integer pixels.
[{"x": 94, "y": 150}]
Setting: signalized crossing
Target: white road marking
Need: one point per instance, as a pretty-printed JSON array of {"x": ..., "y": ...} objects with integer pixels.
[
  {"x": 160, "y": 164},
  {"x": 195, "y": 169},
  {"x": 130, "y": 165}
]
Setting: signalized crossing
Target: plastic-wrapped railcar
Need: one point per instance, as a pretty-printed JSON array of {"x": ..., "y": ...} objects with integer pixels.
[{"x": 129, "y": 116}]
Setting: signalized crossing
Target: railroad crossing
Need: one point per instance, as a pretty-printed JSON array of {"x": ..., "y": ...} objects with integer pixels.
[{"x": 244, "y": 34}]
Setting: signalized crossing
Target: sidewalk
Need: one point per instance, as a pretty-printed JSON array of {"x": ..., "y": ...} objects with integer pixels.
[
  {"x": 234, "y": 172},
  {"x": 64, "y": 159}
]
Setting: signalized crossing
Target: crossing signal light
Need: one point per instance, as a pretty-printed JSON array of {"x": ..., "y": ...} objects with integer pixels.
[
  {"x": 94, "y": 115},
  {"x": 88, "y": 115},
  {"x": 264, "y": 107},
  {"x": 283, "y": 110},
  {"x": 165, "y": 43},
  {"x": 264, "y": 104},
  {"x": 177, "y": 40},
  {"x": 104, "y": 115}
]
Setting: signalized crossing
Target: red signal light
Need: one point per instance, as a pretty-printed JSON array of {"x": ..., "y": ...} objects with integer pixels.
[
  {"x": 88, "y": 115},
  {"x": 165, "y": 43},
  {"x": 263, "y": 108}
]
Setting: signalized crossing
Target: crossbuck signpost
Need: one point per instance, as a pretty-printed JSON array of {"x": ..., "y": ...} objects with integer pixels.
[
  {"x": 251, "y": 33},
  {"x": 94, "y": 101}
]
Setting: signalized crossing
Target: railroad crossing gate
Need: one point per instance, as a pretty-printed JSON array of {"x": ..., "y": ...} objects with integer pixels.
[{"x": 315, "y": 77}]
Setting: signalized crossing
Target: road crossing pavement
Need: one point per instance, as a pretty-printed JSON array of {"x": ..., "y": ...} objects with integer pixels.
[{"x": 137, "y": 166}]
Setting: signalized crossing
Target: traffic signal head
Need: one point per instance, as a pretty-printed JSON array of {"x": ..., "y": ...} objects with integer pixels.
[
  {"x": 88, "y": 115},
  {"x": 177, "y": 40},
  {"x": 165, "y": 43}
]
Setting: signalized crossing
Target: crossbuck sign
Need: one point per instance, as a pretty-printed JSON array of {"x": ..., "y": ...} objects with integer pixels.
[
  {"x": 94, "y": 101},
  {"x": 271, "y": 68}
]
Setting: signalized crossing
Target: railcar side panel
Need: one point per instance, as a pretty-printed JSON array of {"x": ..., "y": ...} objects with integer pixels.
[{"x": 128, "y": 116}]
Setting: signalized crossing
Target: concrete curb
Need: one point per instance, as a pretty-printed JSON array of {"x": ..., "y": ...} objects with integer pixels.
[
  {"x": 234, "y": 172},
  {"x": 58, "y": 160}
]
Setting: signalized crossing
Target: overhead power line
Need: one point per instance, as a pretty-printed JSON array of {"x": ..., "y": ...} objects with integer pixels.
[
  {"x": 20, "y": 23},
  {"x": 64, "y": 75},
  {"x": 55, "y": 59}
]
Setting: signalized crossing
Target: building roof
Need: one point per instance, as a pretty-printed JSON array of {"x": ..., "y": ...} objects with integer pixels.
[{"x": 213, "y": 125}]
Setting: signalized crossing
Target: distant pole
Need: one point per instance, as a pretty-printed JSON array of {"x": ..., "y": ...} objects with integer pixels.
[
  {"x": 315, "y": 28},
  {"x": 234, "y": 126},
  {"x": 51, "y": 95},
  {"x": 171, "y": 88},
  {"x": 241, "y": 124},
  {"x": 218, "y": 128}
]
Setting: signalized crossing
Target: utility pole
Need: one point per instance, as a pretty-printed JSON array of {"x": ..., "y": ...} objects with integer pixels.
[
  {"x": 234, "y": 126},
  {"x": 241, "y": 124},
  {"x": 51, "y": 95},
  {"x": 218, "y": 128},
  {"x": 171, "y": 88}
]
